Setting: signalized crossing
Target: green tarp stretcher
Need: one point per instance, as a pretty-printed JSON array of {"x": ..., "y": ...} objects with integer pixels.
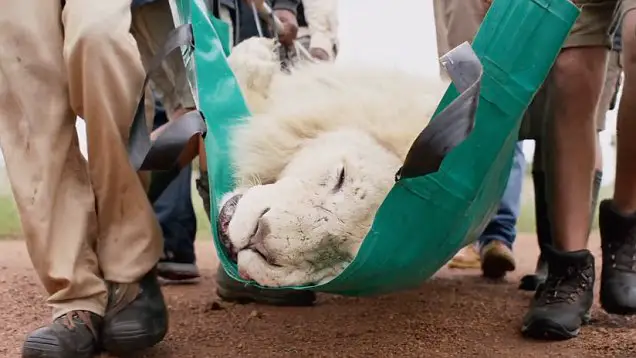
[{"x": 454, "y": 176}]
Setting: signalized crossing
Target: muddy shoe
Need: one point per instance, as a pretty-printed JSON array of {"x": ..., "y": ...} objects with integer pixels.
[
  {"x": 496, "y": 260},
  {"x": 533, "y": 281},
  {"x": 73, "y": 335},
  {"x": 466, "y": 258},
  {"x": 136, "y": 317},
  {"x": 618, "y": 275},
  {"x": 233, "y": 291},
  {"x": 562, "y": 304}
]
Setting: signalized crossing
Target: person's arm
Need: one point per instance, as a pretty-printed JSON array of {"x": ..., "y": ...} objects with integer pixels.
[
  {"x": 286, "y": 11},
  {"x": 322, "y": 20}
]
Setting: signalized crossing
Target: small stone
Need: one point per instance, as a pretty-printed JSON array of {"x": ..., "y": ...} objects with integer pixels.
[
  {"x": 213, "y": 306},
  {"x": 256, "y": 314}
]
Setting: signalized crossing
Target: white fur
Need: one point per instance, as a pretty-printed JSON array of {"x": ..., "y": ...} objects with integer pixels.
[{"x": 307, "y": 127}]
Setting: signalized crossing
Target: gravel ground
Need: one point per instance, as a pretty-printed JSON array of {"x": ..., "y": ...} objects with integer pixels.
[{"x": 455, "y": 314}]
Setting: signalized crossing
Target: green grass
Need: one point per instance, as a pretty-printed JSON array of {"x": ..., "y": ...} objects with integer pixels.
[
  {"x": 526, "y": 220},
  {"x": 9, "y": 219},
  {"x": 10, "y": 222}
]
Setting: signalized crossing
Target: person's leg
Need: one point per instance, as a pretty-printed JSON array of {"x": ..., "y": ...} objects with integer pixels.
[
  {"x": 457, "y": 21},
  {"x": 617, "y": 217},
  {"x": 49, "y": 178},
  {"x": 178, "y": 221},
  {"x": 544, "y": 236},
  {"x": 151, "y": 24},
  {"x": 499, "y": 235},
  {"x": 562, "y": 304},
  {"x": 542, "y": 221},
  {"x": 105, "y": 77}
]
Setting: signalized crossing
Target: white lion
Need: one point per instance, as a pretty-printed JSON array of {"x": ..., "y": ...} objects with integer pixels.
[{"x": 315, "y": 161}]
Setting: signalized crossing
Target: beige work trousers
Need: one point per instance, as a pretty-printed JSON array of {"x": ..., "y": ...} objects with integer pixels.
[{"x": 84, "y": 222}]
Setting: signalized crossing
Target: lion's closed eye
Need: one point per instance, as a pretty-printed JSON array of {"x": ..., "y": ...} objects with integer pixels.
[{"x": 341, "y": 179}]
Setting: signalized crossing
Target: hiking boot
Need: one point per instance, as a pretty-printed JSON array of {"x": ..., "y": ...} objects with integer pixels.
[
  {"x": 533, "y": 281},
  {"x": 175, "y": 267},
  {"x": 496, "y": 259},
  {"x": 136, "y": 317},
  {"x": 231, "y": 290},
  {"x": 618, "y": 274},
  {"x": 73, "y": 335},
  {"x": 466, "y": 258},
  {"x": 562, "y": 304}
]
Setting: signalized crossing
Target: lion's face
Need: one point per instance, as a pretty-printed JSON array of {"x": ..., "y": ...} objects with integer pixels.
[{"x": 308, "y": 225}]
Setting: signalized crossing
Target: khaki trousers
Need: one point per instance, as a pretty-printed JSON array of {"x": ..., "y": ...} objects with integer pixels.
[{"x": 84, "y": 222}]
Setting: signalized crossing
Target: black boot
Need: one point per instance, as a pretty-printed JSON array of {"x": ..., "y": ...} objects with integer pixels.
[
  {"x": 544, "y": 233},
  {"x": 618, "y": 275},
  {"x": 231, "y": 290},
  {"x": 73, "y": 335},
  {"x": 562, "y": 304},
  {"x": 136, "y": 316}
]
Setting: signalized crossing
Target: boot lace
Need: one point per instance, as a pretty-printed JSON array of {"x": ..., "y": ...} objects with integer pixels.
[
  {"x": 74, "y": 319},
  {"x": 622, "y": 255},
  {"x": 566, "y": 286}
]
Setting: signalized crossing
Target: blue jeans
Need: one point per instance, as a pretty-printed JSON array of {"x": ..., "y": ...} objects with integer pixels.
[
  {"x": 502, "y": 227},
  {"x": 175, "y": 212}
]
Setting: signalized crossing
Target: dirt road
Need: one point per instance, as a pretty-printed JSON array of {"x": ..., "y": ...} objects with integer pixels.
[{"x": 456, "y": 314}]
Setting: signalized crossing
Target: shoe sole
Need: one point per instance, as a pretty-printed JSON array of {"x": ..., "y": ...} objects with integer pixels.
[
  {"x": 545, "y": 329},
  {"x": 177, "y": 271},
  {"x": 612, "y": 308},
  {"x": 131, "y": 342},
  {"x": 496, "y": 266},
  {"x": 464, "y": 265},
  {"x": 275, "y": 299},
  {"x": 43, "y": 348}
]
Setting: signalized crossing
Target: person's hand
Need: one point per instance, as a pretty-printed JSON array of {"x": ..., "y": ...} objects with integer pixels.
[
  {"x": 319, "y": 54},
  {"x": 486, "y": 5},
  {"x": 290, "y": 26}
]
